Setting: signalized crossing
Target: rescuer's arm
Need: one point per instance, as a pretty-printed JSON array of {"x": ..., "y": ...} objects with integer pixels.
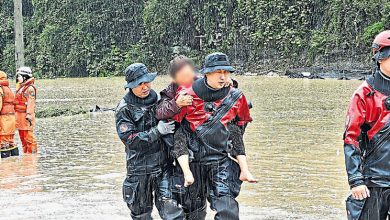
[
  {"x": 243, "y": 113},
  {"x": 129, "y": 133},
  {"x": 354, "y": 120},
  {"x": 31, "y": 95},
  {"x": 353, "y": 154},
  {"x": 127, "y": 130}
]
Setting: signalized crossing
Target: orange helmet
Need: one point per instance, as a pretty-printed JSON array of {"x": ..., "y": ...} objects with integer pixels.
[{"x": 381, "y": 41}]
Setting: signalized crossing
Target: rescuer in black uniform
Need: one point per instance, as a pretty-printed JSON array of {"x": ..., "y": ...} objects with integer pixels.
[{"x": 148, "y": 166}]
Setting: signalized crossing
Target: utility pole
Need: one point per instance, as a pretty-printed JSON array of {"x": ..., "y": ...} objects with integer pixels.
[{"x": 19, "y": 41}]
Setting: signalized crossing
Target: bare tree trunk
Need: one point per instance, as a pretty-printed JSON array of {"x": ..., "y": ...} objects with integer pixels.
[{"x": 19, "y": 41}]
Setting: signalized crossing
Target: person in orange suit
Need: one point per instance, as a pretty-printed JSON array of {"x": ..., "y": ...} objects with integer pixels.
[
  {"x": 7, "y": 119},
  {"x": 25, "y": 109}
]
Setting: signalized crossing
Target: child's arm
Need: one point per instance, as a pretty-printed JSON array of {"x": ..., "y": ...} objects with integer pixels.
[
  {"x": 185, "y": 166},
  {"x": 180, "y": 151},
  {"x": 245, "y": 174},
  {"x": 180, "y": 145}
]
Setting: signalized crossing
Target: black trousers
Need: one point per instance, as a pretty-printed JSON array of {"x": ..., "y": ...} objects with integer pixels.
[
  {"x": 138, "y": 194},
  {"x": 219, "y": 184},
  {"x": 375, "y": 207}
]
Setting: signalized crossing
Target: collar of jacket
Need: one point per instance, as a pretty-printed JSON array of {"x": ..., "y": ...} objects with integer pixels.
[
  {"x": 27, "y": 83},
  {"x": 132, "y": 99},
  {"x": 380, "y": 83},
  {"x": 208, "y": 94}
]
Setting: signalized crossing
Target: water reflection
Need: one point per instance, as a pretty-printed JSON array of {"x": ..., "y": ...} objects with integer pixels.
[{"x": 20, "y": 173}]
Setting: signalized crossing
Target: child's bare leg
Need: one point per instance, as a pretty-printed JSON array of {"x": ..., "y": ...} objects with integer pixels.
[
  {"x": 245, "y": 175},
  {"x": 185, "y": 166}
]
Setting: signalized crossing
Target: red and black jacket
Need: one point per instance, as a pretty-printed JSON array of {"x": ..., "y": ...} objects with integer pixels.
[
  {"x": 208, "y": 117},
  {"x": 367, "y": 133}
]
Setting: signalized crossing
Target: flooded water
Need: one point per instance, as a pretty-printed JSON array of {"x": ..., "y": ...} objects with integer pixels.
[{"x": 294, "y": 147}]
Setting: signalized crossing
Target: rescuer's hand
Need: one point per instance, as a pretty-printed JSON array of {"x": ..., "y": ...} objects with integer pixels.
[
  {"x": 166, "y": 127},
  {"x": 184, "y": 100},
  {"x": 360, "y": 192}
]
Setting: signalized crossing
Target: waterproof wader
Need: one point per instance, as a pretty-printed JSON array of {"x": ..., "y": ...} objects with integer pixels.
[
  {"x": 138, "y": 194},
  {"x": 217, "y": 183}
]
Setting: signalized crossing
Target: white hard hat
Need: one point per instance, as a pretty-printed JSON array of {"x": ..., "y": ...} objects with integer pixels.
[{"x": 24, "y": 71}]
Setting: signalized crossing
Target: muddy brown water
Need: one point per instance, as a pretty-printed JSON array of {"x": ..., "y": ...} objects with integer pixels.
[{"x": 294, "y": 147}]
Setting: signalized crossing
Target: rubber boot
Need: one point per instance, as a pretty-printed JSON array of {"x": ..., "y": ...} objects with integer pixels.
[
  {"x": 145, "y": 216},
  {"x": 226, "y": 207},
  {"x": 5, "y": 154},
  {"x": 199, "y": 214},
  {"x": 15, "y": 152},
  {"x": 170, "y": 210}
]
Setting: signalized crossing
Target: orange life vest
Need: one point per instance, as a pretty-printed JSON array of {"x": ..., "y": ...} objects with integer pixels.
[
  {"x": 21, "y": 99},
  {"x": 8, "y": 99}
]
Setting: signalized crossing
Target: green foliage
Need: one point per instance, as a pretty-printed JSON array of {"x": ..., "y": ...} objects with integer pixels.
[
  {"x": 372, "y": 30},
  {"x": 100, "y": 38}
]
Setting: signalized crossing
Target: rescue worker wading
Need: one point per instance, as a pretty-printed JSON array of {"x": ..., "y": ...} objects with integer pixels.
[
  {"x": 25, "y": 109},
  {"x": 367, "y": 140},
  {"x": 214, "y": 107},
  {"x": 148, "y": 166},
  {"x": 7, "y": 119}
]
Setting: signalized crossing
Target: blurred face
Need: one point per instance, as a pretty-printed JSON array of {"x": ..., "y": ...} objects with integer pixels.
[
  {"x": 142, "y": 90},
  {"x": 20, "y": 78},
  {"x": 385, "y": 66},
  {"x": 217, "y": 79},
  {"x": 185, "y": 76}
]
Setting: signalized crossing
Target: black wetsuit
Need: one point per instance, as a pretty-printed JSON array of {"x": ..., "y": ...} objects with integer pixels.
[{"x": 148, "y": 166}]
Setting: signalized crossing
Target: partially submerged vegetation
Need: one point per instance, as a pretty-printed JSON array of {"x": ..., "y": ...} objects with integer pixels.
[{"x": 52, "y": 111}]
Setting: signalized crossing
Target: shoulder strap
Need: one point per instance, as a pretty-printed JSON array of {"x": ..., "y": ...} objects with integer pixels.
[
  {"x": 26, "y": 88},
  {"x": 221, "y": 111}
]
